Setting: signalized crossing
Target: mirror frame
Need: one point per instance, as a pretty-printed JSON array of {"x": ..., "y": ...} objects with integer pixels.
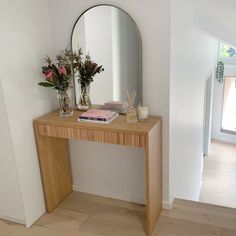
[{"x": 139, "y": 36}]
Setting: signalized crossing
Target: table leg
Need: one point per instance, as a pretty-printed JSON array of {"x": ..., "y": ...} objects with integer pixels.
[
  {"x": 54, "y": 160},
  {"x": 153, "y": 177}
]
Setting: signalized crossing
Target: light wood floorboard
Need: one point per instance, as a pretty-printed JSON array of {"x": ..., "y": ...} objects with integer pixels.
[
  {"x": 219, "y": 175},
  {"x": 89, "y": 215}
]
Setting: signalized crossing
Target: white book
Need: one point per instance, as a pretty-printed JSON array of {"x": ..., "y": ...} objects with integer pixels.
[{"x": 100, "y": 121}]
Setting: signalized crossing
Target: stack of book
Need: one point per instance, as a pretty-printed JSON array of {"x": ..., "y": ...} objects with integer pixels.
[
  {"x": 120, "y": 107},
  {"x": 98, "y": 116}
]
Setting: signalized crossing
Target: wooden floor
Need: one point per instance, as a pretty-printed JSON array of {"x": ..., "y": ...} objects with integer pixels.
[
  {"x": 88, "y": 215},
  {"x": 219, "y": 175}
]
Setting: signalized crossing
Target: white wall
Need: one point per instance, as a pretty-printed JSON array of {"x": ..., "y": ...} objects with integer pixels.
[
  {"x": 193, "y": 55},
  {"x": 207, "y": 113},
  {"x": 24, "y": 42},
  {"x": 112, "y": 170},
  {"x": 216, "y": 17},
  {"x": 11, "y": 206},
  {"x": 153, "y": 20}
]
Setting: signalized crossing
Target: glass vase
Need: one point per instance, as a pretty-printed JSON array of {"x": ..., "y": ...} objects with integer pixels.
[
  {"x": 131, "y": 115},
  {"x": 84, "y": 99},
  {"x": 65, "y": 102}
]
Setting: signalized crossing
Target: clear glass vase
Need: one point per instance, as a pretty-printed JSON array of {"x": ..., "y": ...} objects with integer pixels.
[
  {"x": 84, "y": 100},
  {"x": 65, "y": 102}
]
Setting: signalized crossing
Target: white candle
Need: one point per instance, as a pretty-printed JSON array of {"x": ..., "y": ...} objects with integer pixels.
[{"x": 142, "y": 113}]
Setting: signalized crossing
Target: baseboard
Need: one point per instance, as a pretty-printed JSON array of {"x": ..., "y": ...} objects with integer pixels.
[
  {"x": 121, "y": 196},
  {"x": 18, "y": 221},
  {"x": 167, "y": 205},
  {"x": 107, "y": 193}
]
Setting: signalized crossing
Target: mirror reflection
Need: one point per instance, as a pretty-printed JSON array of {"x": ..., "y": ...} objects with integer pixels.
[{"x": 112, "y": 40}]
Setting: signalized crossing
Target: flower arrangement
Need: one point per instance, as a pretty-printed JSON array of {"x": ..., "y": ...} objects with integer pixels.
[
  {"x": 70, "y": 64},
  {"x": 58, "y": 76},
  {"x": 86, "y": 69}
]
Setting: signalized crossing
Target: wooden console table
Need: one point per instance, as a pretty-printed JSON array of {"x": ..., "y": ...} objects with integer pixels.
[{"x": 52, "y": 135}]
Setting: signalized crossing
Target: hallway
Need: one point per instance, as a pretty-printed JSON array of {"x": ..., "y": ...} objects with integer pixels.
[{"x": 219, "y": 175}]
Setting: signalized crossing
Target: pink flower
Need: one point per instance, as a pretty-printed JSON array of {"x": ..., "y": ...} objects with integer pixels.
[
  {"x": 48, "y": 74},
  {"x": 62, "y": 70}
]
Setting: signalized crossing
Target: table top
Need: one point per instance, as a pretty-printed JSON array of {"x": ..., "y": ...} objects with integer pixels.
[{"x": 119, "y": 124}]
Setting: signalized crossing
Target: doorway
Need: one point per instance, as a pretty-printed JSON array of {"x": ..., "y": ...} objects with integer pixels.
[{"x": 219, "y": 148}]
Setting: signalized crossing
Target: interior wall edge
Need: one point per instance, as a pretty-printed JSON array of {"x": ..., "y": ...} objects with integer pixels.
[
  {"x": 23, "y": 219},
  {"x": 168, "y": 205}
]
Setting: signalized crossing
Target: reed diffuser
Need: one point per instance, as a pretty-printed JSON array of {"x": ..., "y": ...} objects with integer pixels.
[{"x": 131, "y": 115}]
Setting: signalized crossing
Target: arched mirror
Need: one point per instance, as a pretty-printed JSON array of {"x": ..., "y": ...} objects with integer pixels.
[{"x": 112, "y": 39}]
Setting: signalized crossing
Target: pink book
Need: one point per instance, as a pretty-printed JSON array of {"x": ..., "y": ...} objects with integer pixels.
[
  {"x": 96, "y": 114},
  {"x": 117, "y": 103}
]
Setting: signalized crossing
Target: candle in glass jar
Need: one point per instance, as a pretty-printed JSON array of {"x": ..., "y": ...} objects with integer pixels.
[{"x": 143, "y": 113}]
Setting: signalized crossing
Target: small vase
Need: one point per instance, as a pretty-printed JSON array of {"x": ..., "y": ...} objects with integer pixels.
[
  {"x": 131, "y": 115},
  {"x": 84, "y": 100},
  {"x": 65, "y": 102}
]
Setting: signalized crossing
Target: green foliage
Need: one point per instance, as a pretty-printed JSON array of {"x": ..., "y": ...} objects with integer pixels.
[
  {"x": 220, "y": 72},
  {"x": 46, "y": 84},
  {"x": 226, "y": 51}
]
